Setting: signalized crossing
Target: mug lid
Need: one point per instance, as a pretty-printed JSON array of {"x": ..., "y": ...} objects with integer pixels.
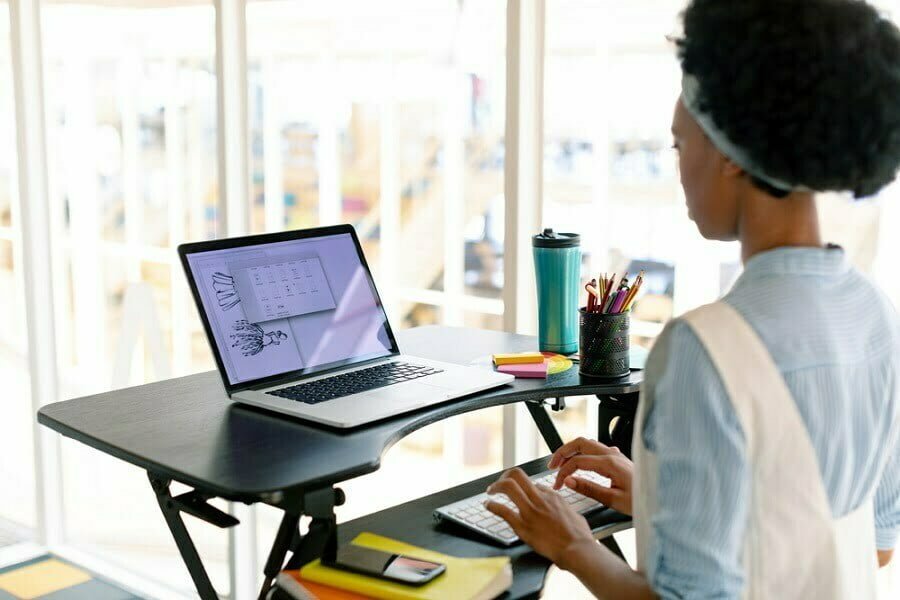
[{"x": 550, "y": 239}]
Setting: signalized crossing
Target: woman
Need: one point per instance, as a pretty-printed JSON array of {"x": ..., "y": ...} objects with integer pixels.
[{"x": 767, "y": 444}]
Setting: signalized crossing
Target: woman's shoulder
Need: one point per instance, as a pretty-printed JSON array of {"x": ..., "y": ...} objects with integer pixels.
[
  {"x": 808, "y": 322},
  {"x": 877, "y": 317},
  {"x": 676, "y": 349}
]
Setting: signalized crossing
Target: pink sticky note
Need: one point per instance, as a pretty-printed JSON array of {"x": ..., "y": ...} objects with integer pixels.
[{"x": 522, "y": 371}]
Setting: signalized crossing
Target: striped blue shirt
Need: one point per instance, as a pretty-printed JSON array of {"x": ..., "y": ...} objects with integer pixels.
[{"x": 836, "y": 340}]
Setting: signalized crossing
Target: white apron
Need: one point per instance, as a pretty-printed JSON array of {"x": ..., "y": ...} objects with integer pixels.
[{"x": 794, "y": 548}]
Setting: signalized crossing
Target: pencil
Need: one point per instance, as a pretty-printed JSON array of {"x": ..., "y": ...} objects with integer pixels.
[
  {"x": 603, "y": 285},
  {"x": 606, "y": 295},
  {"x": 634, "y": 292}
]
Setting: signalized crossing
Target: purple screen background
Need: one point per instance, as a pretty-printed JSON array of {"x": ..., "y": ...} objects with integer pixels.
[{"x": 251, "y": 351}]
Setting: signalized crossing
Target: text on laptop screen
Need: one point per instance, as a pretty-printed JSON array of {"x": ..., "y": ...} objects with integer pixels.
[{"x": 285, "y": 306}]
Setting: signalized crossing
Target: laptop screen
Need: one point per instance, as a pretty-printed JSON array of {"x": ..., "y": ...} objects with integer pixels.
[{"x": 301, "y": 305}]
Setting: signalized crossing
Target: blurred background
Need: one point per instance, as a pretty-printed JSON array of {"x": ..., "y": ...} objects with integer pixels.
[{"x": 389, "y": 115}]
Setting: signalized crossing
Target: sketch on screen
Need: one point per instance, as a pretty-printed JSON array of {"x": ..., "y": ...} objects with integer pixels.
[
  {"x": 252, "y": 339},
  {"x": 226, "y": 293},
  {"x": 281, "y": 286}
]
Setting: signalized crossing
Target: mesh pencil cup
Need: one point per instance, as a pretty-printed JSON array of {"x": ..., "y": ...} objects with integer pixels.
[{"x": 603, "y": 344}]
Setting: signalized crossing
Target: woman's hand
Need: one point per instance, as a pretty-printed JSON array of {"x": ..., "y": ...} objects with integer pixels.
[
  {"x": 541, "y": 519},
  {"x": 591, "y": 455}
]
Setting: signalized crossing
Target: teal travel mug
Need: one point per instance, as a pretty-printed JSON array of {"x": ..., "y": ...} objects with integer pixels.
[{"x": 557, "y": 268}]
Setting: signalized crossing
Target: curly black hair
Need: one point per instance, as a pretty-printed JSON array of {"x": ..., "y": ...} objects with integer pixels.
[{"x": 809, "y": 88}]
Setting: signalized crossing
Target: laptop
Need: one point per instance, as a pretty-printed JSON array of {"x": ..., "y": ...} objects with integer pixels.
[{"x": 297, "y": 327}]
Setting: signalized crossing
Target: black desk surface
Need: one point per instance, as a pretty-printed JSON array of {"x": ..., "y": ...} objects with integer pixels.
[{"x": 187, "y": 429}]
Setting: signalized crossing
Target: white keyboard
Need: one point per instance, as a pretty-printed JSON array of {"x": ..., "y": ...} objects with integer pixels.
[{"x": 471, "y": 512}]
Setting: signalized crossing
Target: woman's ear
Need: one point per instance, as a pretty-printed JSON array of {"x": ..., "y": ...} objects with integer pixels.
[{"x": 729, "y": 167}]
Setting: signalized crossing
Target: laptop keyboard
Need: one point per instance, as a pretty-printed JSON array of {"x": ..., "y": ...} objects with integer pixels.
[{"x": 353, "y": 382}]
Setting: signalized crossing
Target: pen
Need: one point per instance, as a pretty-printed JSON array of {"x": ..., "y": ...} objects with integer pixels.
[
  {"x": 592, "y": 295},
  {"x": 619, "y": 301},
  {"x": 607, "y": 307}
]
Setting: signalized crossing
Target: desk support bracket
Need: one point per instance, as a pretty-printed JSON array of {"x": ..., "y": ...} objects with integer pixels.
[
  {"x": 194, "y": 504},
  {"x": 319, "y": 541},
  {"x": 545, "y": 424},
  {"x": 616, "y": 416}
]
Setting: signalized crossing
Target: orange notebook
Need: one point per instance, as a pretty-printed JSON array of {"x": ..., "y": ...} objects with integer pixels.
[{"x": 303, "y": 589}]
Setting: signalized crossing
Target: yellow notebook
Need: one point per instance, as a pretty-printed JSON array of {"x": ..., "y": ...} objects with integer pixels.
[
  {"x": 464, "y": 579},
  {"x": 520, "y": 358}
]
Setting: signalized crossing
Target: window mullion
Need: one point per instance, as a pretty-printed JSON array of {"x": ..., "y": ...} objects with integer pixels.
[
  {"x": 234, "y": 194},
  {"x": 523, "y": 195},
  {"x": 34, "y": 210},
  {"x": 232, "y": 97}
]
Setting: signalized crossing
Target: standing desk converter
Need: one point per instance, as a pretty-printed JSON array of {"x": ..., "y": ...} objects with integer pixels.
[{"x": 186, "y": 430}]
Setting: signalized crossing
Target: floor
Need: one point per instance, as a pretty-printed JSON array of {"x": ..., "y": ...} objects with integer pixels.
[{"x": 49, "y": 578}]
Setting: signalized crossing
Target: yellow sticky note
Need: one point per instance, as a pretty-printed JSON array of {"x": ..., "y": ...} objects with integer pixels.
[
  {"x": 40, "y": 579},
  {"x": 520, "y": 358}
]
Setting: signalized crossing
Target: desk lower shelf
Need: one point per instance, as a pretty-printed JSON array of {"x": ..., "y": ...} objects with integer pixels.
[{"x": 412, "y": 523}]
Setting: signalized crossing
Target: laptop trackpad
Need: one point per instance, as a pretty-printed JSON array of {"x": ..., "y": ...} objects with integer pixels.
[{"x": 407, "y": 394}]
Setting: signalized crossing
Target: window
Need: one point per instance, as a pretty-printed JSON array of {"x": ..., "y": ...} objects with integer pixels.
[
  {"x": 611, "y": 82},
  {"x": 399, "y": 133},
  {"x": 17, "y": 503},
  {"x": 132, "y": 134},
  {"x": 390, "y": 116}
]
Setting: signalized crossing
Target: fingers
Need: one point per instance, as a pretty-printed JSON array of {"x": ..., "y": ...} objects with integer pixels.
[
  {"x": 573, "y": 464},
  {"x": 605, "y": 495},
  {"x": 610, "y": 465},
  {"x": 580, "y": 445},
  {"x": 513, "y": 491},
  {"x": 506, "y": 513},
  {"x": 527, "y": 486}
]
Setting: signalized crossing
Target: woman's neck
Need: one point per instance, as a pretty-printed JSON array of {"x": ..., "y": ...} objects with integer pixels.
[{"x": 766, "y": 223}]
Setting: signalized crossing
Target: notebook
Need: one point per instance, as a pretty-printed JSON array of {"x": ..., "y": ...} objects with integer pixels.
[
  {"x": 291, "y": 583},
  {"x": 464, "y": 579}
]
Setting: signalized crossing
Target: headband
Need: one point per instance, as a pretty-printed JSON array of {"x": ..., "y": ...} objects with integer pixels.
[{"x": 690, "y": 97}]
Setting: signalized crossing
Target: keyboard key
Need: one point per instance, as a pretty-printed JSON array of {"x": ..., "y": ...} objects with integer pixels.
[
  {"x": 584, "y": 503},
  {"x": 354, "y": 382},
  {"x": 479, "y": 518}
]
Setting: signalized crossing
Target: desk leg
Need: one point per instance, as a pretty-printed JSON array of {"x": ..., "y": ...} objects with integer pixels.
[
  {"x": 183, "y": 539},
  {"x": 545, "y": 425},
  {"x": 287, "y": 531},
  {"x": 610, "y": 542},
  {"x": 620, "y": 409}
]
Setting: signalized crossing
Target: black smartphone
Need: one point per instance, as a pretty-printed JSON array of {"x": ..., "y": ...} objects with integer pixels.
[{"x": 393, "y": 567}]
